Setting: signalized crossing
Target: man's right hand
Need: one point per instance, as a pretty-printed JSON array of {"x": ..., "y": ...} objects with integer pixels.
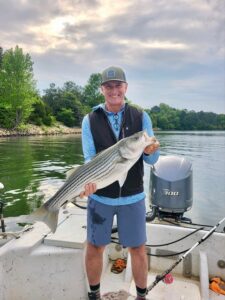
[{"x": 89, "y": 189}]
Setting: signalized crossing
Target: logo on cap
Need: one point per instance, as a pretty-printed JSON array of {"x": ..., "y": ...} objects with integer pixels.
[{"x": 111, "y": 74}]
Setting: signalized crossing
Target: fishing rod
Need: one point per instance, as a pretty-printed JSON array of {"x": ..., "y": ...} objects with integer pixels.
[{"x": 163, "y": 275}]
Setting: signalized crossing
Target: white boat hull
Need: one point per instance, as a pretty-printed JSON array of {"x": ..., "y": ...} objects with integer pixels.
[{"x": 40, "y": 265}]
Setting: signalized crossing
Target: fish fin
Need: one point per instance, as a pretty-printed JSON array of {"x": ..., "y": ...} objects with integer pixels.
[
  {"x": 71, "y": 171},
  {"x": 50, "y": 218},
  {"x": 122, "y": 179}
]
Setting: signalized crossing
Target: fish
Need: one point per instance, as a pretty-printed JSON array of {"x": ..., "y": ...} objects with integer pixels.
[{"x": 108, "y": 166}]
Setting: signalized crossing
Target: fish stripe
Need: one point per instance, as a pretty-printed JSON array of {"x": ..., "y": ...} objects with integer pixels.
[
  {"x": 99, "y": 169},
  {"x": 82, "y": 177}
]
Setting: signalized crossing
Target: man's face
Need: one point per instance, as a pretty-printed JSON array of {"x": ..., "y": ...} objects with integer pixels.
[{"x": 114, "y": 92}]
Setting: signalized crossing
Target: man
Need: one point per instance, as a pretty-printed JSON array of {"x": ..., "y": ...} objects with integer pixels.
[{"x": 103, "y": 127}]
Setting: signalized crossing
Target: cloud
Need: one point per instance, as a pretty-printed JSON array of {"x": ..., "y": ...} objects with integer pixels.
[{"x": 161, "y": 44}]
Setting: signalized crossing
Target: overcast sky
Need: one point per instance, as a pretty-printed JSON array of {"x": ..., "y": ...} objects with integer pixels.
[{"x": 171, "y": 50}]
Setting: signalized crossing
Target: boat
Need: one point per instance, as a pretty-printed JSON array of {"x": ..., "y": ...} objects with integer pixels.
[{"x": 36, "y": 264}]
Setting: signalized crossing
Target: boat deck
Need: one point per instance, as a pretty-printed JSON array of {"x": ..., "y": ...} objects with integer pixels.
[
  {"x": 54, "y": 256},
  {"x": 180, "y": 289}
]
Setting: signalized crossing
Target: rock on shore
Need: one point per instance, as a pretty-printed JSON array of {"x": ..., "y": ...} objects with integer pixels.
[{"x": 30, "y": 129}]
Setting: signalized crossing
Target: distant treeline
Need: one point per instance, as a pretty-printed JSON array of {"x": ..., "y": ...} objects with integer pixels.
[
  {"x": 21, "y": 102},
  {"x": 168, "y": 118}
]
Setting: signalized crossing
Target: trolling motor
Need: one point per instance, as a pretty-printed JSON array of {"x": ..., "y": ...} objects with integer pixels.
[
  {"x": 171, "y": 188},
  {"x": 1, "y": 211}
]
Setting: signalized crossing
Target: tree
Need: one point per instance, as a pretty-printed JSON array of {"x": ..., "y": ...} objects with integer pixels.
[
  {"x": 70, "y": 104},
  {"x": 53, "y": 97},
  {"x": 66, "y": 116},
  {"x": 41, "y": 114},
  {"x": 73, "y": 88},
  {"x": 155, "y": 109},
  {"x": 65, "y": 103},
  {"x": 221, "y": 121},
  {"x": 92, "y": 95},
  {"x": 17, "y": 85},
  {"x": 1, "y": 56}
]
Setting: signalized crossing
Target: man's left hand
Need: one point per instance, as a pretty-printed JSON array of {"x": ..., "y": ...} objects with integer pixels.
[{"x": 151, "y": 148}]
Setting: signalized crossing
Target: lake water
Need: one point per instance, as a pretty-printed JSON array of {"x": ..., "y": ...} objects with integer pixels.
[{"x": 33, "y": 168}]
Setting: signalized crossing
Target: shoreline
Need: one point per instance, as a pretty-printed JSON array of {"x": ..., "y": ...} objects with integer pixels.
[{"x": 32, "y": 130}]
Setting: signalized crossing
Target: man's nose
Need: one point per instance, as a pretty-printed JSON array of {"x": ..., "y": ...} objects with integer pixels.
[{"x": 114, "y": 89}]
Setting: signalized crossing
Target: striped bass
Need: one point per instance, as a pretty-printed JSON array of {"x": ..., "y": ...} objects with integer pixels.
[{"x": 108, "y": 166}]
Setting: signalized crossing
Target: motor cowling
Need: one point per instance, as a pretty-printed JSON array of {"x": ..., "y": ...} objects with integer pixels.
[{"x": 171, "y": 187}]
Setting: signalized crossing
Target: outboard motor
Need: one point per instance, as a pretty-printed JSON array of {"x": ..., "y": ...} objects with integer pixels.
[{"x": 170, "y": 188}]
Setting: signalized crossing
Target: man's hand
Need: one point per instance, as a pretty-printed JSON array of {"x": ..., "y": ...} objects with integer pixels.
[
  {"x": 89, "y": 189},
  {"x": 151, "y": 148}
]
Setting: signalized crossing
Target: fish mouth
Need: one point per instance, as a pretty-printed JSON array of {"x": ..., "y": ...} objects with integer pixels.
[{"x": 149, "y": 139}]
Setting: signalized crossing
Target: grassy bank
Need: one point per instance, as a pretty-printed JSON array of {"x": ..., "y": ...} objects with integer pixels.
[{"x": 29, "y": 129}]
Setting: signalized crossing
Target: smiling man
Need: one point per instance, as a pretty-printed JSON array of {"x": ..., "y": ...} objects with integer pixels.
[
  {"x": 114, "y": 90},
  {"x": 103, "y": 127}
]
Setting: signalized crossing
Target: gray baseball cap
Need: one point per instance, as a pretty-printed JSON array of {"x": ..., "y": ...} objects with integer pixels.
[{"x": 113, "y": 73}]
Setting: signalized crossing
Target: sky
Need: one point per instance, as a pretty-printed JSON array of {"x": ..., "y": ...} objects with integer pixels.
[{"x": 172, "y": 51}]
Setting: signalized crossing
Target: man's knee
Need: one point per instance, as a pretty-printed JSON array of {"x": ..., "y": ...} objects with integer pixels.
[
  {"x": 138, "y": 251},
  {"x": 93, "y": 250}
]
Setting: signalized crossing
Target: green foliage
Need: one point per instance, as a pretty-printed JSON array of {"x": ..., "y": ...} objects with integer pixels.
[
  {"x": 133, "y": 104},
  {"x": 66, "y": 116},
  {"x": 17, "y": 86},
  {"x": 92, "y": 95},
  {"x": 41, "y": 114},
  {"x": 70, "y": 103},
  {"x": 1, "y": 56},
  {"x": 71, "y": 87},
  {"x": 168, "y": 118},
  {"x": 66, "y": 101},
  {"x": 221, "y": 121},
  {"x": 20, "y": 103},
  {"x": 6, "y": 118},
  {"x": 22, "y": 127}
]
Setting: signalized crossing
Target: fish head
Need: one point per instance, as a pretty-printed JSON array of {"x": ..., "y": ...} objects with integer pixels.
[{"x": 134, "y": 145}]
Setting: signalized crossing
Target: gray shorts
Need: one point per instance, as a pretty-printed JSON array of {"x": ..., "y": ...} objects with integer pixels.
[{"x": 130, "y": 222}]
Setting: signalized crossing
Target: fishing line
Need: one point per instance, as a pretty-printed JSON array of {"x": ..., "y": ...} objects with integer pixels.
[
  {"x": 157, "y": 255},
  {"x": 170, "y": 243},
  {"x": 183, "y": 222}
]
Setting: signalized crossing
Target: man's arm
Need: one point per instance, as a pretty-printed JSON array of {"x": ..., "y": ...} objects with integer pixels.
[
  {"x": 88, "y": 145},
  {"x": 89, "y": 152},
  {"x": 151, "y": 153}
]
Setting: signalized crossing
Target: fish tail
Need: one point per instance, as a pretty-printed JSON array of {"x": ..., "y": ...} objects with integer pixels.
[{"x": 50, "y": 218}]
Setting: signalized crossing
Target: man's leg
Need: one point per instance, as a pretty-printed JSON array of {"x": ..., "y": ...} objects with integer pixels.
[
  {"x": 132, "y": 234},
  {"x": 93, "y": 262},
  {"x": 139, "y": 264},
  {"x": 140, "y": 270},
  {"x": 99, "y": 225}
]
